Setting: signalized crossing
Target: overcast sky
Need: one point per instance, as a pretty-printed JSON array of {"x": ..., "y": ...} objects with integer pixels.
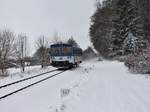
[{"x": 46, "y": 17}]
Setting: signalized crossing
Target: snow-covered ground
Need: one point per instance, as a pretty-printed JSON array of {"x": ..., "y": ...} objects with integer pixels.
[
  {"x": 16, "y": 74},
  {"x": 93, "y": 87}
]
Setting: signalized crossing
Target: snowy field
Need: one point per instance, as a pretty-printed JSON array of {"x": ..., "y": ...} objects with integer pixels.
[{"x": 93, "y": 87}]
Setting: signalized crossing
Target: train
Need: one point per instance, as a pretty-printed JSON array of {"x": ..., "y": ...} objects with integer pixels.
[{"x": 65, "y": 55}]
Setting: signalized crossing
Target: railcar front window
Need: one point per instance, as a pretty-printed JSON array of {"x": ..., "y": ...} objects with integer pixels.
[
  {"x": 66, "y": 51},
  {"x": 55, "y": 51}
]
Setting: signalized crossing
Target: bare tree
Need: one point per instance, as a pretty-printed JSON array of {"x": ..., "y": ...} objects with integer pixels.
[
  {"x": 42, "y": 50},
  {"x": 56, "y": 39},
  {"x": 7, "y": 50},
  {"x": 22, "y": 50}
]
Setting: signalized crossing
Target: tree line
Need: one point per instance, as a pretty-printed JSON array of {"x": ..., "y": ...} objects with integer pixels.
[{"x": 121, "y": 28}]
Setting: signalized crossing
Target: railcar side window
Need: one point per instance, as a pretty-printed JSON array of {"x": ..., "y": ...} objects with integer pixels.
[{"x": 77, "y": 52}]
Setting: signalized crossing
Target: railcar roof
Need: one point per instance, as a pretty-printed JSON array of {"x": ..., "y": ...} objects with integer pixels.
[
  {"x": 57, "y": 45},
  {"x": 63, "y": 44},
  {"x": 78, "y": 48}
]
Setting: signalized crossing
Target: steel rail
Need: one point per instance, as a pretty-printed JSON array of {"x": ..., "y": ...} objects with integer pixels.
[
  {"x": 25, "y": 79},
  {"x": 25, "y": 87}
]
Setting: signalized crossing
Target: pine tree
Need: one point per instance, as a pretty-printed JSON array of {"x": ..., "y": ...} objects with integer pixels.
[
  {"x": 72, "y": 42},
  {"x": 100, "y": 29},
  {"x": 144, "y": 7},
  {"x": 130, "y": 43},
  {"x": 119, "y": 25},
  {"x": 127, "y": 22}
]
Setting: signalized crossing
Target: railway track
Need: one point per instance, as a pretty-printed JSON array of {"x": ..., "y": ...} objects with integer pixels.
[
  {"x": 17, "y": 86},
  {"x": 25, "y": 79}
]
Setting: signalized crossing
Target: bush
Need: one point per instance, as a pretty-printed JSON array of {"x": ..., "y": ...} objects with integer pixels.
[
  {"x": 3, "y": 73},
  {"x": 120, "y": 58},
  {"x": 139, "y": 62}
]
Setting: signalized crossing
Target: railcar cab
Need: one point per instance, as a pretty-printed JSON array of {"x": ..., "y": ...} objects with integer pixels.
[{"x": 64, "y": 55}]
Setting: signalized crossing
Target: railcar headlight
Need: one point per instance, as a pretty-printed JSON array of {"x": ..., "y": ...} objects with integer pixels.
[{"x": 52, "y": 57}]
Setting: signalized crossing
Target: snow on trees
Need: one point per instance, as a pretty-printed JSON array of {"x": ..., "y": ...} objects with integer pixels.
[
  {"x": 127, "y": 27},
  {"x": 130, "y": 44}
]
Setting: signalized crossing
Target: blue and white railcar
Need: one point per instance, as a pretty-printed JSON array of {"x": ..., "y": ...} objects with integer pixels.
[{"x": 65, "y": 55}]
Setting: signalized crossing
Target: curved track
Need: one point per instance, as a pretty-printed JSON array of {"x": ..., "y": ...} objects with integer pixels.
[{"x": 25, "y": 86}]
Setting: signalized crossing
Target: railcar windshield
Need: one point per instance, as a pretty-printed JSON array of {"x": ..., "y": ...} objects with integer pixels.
[
  {"x": 61, "y": 50},
  {"x": 55, "y": 51},
  {"x": 66, "y": 50}
]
